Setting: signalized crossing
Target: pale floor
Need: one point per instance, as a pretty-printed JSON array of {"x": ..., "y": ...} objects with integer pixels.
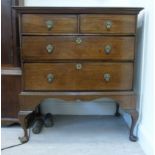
[{"x": 75, "y": 135}]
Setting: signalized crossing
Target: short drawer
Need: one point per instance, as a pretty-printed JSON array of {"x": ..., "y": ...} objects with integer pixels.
[
  {"x": 77, "y": 47},
  {"x": 39, "y": 23},
  {"x": 77, "y": 76},
  {"x": 125, "y": 24}
]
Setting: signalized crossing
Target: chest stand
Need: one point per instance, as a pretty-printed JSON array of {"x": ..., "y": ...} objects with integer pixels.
[{"x": 29, "y": 103}]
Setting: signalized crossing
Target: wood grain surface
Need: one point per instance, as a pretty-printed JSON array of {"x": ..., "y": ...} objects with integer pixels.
[
  {"x": 37, "y": 23},
  {"x": 68, "y": 77},
  {"x": 97, "y": 23},
  {"x": 34, "y": 48}
]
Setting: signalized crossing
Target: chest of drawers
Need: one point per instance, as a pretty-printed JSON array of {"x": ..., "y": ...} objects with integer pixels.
[{"x": 77, "y": 54}]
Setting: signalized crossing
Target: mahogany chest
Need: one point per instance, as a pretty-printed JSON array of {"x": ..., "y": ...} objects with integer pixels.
[{"x": 77, "y": 54}]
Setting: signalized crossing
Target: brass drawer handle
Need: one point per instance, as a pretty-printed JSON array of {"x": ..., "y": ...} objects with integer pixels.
[
  {"x": 78, "y": 40},
  {"x": 78, "y": 66},
  {"x": 107, "y": 49},
  {"x": 108, "y": 24},
  {"x": 49, "y": 24},
  {"x": 49, "y": 48},
  {"x": 107, "y": 77},
  {"x": 50, "y": 78}
]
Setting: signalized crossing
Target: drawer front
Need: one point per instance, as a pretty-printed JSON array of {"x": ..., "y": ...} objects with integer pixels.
[
  {"x": 107, "y": 24},
  {"x": 39, "y": 23},
  {"x": 78, "y": 76},
  {"x": 78, "y": 47}
]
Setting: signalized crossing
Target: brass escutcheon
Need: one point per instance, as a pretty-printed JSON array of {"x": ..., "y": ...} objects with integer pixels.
[
  {"x": 78, "y": 66},
  {"x": 78, "y": 40}
]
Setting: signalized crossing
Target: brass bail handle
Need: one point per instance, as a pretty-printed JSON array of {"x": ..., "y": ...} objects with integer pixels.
[
  {"x": 108, "y": 24},
  {"x": 107, "y": 49},
  {"x": 50, "y": 78},
  {"x": 107, "y": 77},
  {"x": 49, "y": 24},
  {"x": 49, "y": 48}
]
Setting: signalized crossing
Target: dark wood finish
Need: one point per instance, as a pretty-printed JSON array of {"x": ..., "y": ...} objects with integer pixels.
[
  {"x": 9, "y": 54},
  {"x": 11, "y": 79},
  {"x": 67, "y": 77},
  {"x": 71, "y": 82},
  {"x": 79, "y": 10},
  {"x": 97, "y": 23},
  {"x": 6, "y": 29},
  {"x": 11, "y": 87},
  {"x": 15, "y": 35},
  {"x": 37, "y": 23},
  {"x": 65, "y": 47},
  {"x": 9, "y": 121}
]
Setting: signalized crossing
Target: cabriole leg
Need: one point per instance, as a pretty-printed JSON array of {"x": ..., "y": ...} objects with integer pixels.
[
  {"x": 134, "y": 118},
  {"x": 23, "y": 119},
  {"x": 117, "y": 114}
]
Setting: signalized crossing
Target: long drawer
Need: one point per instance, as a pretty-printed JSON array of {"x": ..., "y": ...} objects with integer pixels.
[
  {"x": 77, "y": 76},
  {"x": 47, "y": 23},
  {"x": 77, "y": 47},
  {"x": 119, "y": 24}
]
